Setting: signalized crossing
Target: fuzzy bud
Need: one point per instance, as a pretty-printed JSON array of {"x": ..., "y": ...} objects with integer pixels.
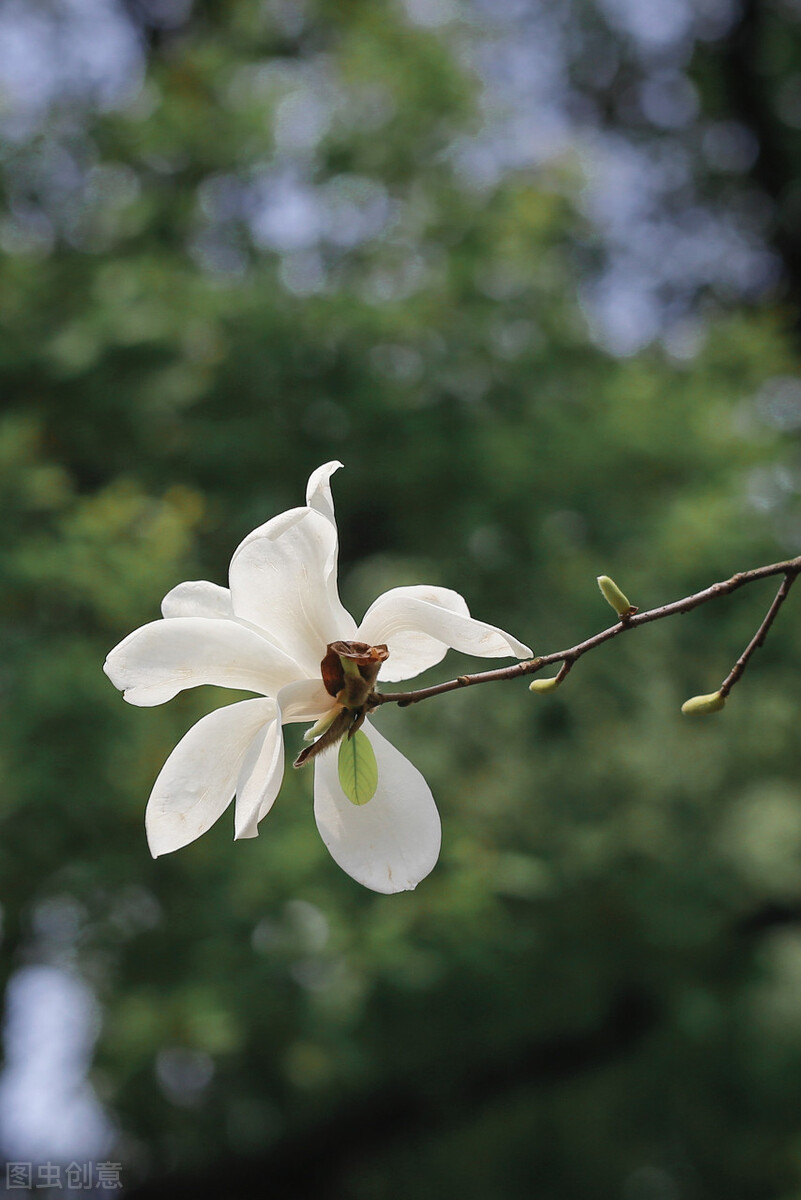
[
  {"x": 714, "y": 702},
  {"x": 613, "y": 595},
  {"x": 544, "y": 685}
]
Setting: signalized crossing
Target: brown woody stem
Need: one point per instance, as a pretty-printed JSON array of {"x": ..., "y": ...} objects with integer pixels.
[
  {"x": 790, "y": 569},
  {"x": 759, "y": 637}
]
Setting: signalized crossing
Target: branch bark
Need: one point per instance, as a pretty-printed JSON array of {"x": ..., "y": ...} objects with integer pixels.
[
  {"x": 567, "y": 658},
  {"x": 759, "y": 637}
]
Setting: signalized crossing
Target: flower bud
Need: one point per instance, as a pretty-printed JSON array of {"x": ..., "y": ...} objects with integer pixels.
[
  {"x": 714, "y": 702},
  {"x": 545, "y": 685},
  {"x": 613, "y": 595},
  {"x": 329, "y": 730},
  {"x": 323, "y": 725},
  {"x": 350, "y": 669}
]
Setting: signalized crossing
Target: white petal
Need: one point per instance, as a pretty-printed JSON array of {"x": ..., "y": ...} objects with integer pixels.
[
  {"x": 263, "y": 768},
  {"x": 305, "y": 700},
  {"x": 197, "y": 598},
  {"x": 318, "y": 489},
  {"x": 159, "y": 660},
  {"x": 390, "y": 843},
  {"x": 411, "y": 650},
  {"x": 198, "y": 780},
  {"x": 283, "y": 579},
  {"x": 419, "y": 624},
  {"x": 260, "y": 778}
]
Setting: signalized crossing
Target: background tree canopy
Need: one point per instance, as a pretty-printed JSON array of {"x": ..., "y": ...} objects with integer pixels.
[{"x": 532, "y": 271}]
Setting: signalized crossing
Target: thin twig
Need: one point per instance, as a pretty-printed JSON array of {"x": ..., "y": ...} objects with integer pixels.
[
  {"x": 563, "y": 670},
  {"x": 568, "y": 657},
  {"x": 759, "y": 636}
]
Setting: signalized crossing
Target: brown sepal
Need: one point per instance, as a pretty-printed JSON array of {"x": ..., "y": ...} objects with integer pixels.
[
  {"x": 333, "y": 672},
  {"x": 367, "y": 660},
  {"x": 335, "y": 731}
]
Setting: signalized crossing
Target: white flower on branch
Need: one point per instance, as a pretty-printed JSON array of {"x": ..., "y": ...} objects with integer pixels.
[{"x": 281, "y": 631}]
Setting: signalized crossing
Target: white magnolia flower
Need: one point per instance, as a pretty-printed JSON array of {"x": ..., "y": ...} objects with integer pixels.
[{"x": 269, "y": 633}]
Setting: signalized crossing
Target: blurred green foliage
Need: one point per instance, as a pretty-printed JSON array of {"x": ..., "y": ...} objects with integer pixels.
[{"x": 169, "y": 383}]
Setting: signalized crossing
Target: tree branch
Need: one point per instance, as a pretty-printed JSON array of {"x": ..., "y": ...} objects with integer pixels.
[
  {"x": 567, "y": 658},
  {"x": 759, "y": 636}
]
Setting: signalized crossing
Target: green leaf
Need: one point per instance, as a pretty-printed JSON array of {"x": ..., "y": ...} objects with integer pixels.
[{"x": 358, "y": 769}]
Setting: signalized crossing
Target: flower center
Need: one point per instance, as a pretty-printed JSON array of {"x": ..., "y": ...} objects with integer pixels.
[{"x": 349, "y": 671}]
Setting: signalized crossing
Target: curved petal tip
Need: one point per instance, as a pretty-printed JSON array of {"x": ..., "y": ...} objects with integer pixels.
[{"x": 318, "y": 489}]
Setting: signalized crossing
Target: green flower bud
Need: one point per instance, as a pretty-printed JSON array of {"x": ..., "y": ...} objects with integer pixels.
[
  {"x": 323, "y": 725},
  {"x": 545, "y": 685},
  {"x": 714, "y": 702},
  {"x": 613, "y": 595}
]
